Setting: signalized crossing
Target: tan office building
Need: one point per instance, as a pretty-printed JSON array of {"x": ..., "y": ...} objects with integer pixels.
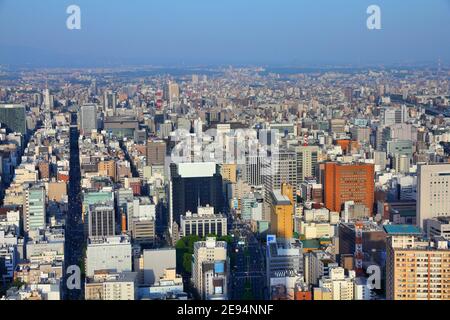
[{"x": 417, "y": 269}]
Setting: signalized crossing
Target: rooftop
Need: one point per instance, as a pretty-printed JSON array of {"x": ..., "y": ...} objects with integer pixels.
[{"x": 402, "y": 229}]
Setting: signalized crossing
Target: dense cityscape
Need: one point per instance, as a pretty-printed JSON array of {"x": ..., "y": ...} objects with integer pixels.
[{"x": 225, "y": 183}]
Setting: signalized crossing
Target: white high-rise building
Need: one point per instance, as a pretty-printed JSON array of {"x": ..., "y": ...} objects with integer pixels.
[
  {"x": 433, "y": 192},
  {"x": 112, "y": 253},
  {"x": 210, "y": 269},
  {"x": 88, "y": 118}
]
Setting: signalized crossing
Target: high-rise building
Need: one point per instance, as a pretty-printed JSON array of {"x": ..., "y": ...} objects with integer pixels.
[
  {"x": 102, "y": 222},
  {"x": 284, "y": 259},
  {"x": 416, "y": 269},
  {"x": 282, "y": 212},
  {"x": 433, "y": 195},
  {"x": 348, "y": 182},
  {"x": 210, "y": 269},
  {"x": 194, "y": 185},
  {"x": 112, "y": 253},
  {"x": 253, "y": 170},
  {"x": 88, "y": 118},
  {"x": 281, "y": 169},
  {"x": 35, "y": 209},
  {"x": 156, "y": 152},
  {"x": 13, "y": 116},
  {"x": 172, "y": 92},
  {"x": 306, "y": 162}
]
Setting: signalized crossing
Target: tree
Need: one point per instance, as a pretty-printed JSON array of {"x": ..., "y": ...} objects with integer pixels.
[{"x": 187, "y": 263}]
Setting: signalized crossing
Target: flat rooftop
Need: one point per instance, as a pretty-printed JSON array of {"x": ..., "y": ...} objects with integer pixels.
[{"x": 402, "y": 229}]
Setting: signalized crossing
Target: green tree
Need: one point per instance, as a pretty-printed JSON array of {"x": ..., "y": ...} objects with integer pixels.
[{"x": 187, "y": 263}]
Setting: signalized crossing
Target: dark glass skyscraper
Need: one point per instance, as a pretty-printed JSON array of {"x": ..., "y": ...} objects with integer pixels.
[
  {"x": 193, "y": 185},
  {"x": 13, "y": 117}
]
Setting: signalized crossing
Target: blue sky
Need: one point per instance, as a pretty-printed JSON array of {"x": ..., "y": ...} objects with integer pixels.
[{"x": 273, "y": 32}]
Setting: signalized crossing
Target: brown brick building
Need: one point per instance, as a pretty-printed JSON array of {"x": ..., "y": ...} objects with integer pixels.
[{"x": 348, "y": 182}]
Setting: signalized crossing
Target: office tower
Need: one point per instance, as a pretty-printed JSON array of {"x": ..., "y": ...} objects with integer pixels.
[
  {"x": 403, "y": 131},
  {"x": 210, "y": 269},
  {"x": 165, "y": 129},
  {"x": 402, "y": 163},
  {"x": 349, "y": 182},
  {"x": 282, "y": 212},
  {"x": 111, "y": 253},
  {"x": 88, "y": 118},
  {"x": 121, "y": 126},
  {"x": 204, "y": 223},
  {"x": 284, "y": 259},
  {"x": 194, "y": 185},
  {"x": 433, "y": 195},
  {"x": 253, "y": 170},
  {"x": 156, "y": 152},
  {"x": 306, "y": 162},
  {"x": 360, "y": 134},
  {"x": 416, "y": 269},
  {"x": 337, "y": 126},
  {"x": 13, "y": 116},
  {"x": 111, "y": 286},
  {"x": 391, "y": 116},
  {"x": 102, "y": 222},
  {"x": 281, "y": 168},
  {"x": 372, "y": 241},
  {"x": 400, "y": 147},
  {"x": 143, "y": 231},
  {"x": 380, "y": 159},
  {"x": 48, "y": 100},
  {"x": 110, "y": 101},
  {"x": 172, "y": 92},
  {"x": 35, "y": 209}
]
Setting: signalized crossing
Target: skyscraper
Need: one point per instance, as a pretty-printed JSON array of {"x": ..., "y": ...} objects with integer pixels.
[
  {"x": 282, "y": 212},
  {"x": 194, "y": 185},
  {"x": 35, "y": 209},
  {"x": 306, "y": 162},
  {"x": 88, "y": 118},
  {"x": 416, "y": 269},
  {"x": 210, "y": 269},
  {"x": 156, "y": 152},
  {"x": 13, "y": 117},
  {"x": 433, "y": 192},
  {"x": 349, "y": 182},
  {"x": 281, "y": 168},
  {"x": 102, "y": 222}
]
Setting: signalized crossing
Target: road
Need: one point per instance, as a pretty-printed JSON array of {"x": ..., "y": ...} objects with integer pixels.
[
  {"x": 248, "y": 274},
  {"x": 75, "y": 241}
]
